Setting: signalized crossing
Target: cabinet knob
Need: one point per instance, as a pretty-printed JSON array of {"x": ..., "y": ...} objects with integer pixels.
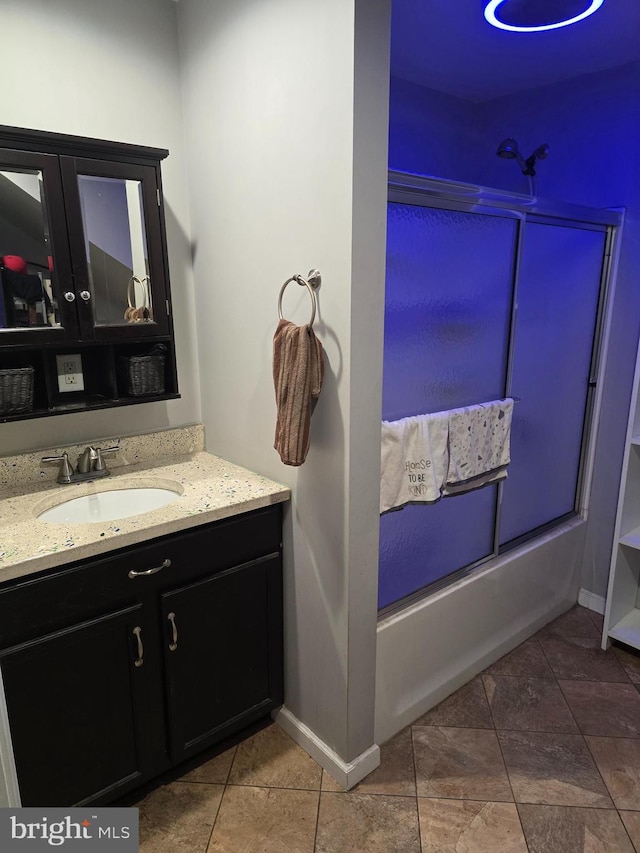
[
  {"x": 174, "y": 632},
  {"x": 85, "y": 295},
  {"x": 70, "y": 296},
  {"x": 140, "y": 659}
]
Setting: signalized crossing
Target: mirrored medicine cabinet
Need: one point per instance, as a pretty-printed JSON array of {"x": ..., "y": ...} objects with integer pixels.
[{"x": 85, "y": 303}]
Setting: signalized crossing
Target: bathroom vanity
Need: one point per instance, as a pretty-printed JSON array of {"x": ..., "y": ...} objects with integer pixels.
[{"x": 147, "y": 639}]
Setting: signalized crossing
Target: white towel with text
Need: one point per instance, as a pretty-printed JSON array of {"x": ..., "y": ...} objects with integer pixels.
[{"x": 414, "y": 460}]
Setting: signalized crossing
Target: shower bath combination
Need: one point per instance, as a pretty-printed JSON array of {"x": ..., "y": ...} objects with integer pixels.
[{"x": 508, "y": 150}]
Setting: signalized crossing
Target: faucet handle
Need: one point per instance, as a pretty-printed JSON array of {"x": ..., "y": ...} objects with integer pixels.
[
  {"x": 86, "y": 459},
  {"x": 65, "y": 472},
  {"x": 100, "y": 452}
]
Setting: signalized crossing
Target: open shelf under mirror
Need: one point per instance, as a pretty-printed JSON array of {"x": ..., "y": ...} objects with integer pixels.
[{"x": 80, "y": 378}]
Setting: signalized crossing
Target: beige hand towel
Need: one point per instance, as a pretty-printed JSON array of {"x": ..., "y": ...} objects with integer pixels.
[
  {"x": 479, "y": 445},
  {"x": 298, "y": 370}
]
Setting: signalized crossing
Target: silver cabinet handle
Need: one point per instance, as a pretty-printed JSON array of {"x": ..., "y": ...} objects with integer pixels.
[
  {"x": 140, "y": 660},
  {"x": 165, "y": 565},
  {"x": 173, "y": 645},
  {"x": 70, "y": 296},
  {"x": 85, "y": 295}
]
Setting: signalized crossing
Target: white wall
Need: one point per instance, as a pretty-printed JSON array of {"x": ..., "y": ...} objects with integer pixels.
[
  {"x": 287, "y": 179},
  {"x": 110, "y": 71},
  {"x": 432, "y": 133}
]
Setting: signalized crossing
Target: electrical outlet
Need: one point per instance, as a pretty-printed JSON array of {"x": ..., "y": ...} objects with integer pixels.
[{"x": 70, "y": 376}]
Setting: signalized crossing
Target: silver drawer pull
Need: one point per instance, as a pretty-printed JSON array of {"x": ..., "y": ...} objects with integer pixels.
[
  {"x": 174, "y": 645},
  {"x": 165, "y": 565},
  {"x": 138, "y": 631}
]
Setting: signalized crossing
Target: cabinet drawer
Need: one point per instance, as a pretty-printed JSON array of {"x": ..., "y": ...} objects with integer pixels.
[{"x": 34, "y": 606}]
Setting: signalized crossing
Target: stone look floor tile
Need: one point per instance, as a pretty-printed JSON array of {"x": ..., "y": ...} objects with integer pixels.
[
  {"x": 552, "y": 769},
  {"x": 265, "y": 820},
  {"x": 618, "y": 761},
  {"x": 576, "y": 622},
  {"x": 271, "y": 758},
  {"x": 629, "y": 660},
  {"x": 560, "y": 829},
  {"x": 178, "y": 818},
  {"x": 466, "y": 707},
  {"x": 459, "y": 796},
  {"x": 528, "y": 704},
  {"x": 527, "y": 660},
  {"x": 583, "y": 659},
  {"x": 329, "y": 784},
  {"x": 604, "y": 709},
  {"x": 631, "y": 821},
  {"x": 363, "y": 822},
  {"x": 598, "y": 620},
  {"x": 395, "y": 775},
  {"x": 214, "y": 771},
  {"x": 464, "y": 764},
  {"x": 451, "y": 826}
]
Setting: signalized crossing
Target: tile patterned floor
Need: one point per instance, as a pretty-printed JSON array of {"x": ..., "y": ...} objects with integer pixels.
[{"x": 540, "y": 753}]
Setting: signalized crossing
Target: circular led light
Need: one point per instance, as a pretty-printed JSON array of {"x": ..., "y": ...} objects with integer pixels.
[{"x": 493, "y": 7}]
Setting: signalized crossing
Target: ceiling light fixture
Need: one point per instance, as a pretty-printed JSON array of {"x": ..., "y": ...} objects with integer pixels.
[{"x": 521, "y": 18}]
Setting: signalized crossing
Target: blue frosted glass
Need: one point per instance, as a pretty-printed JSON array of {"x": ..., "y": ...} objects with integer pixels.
[
  {"x": 448, "y": 306},
  {"x": 447, "y": 311},
  {"x": 558, "y": 291},
  {"x": 422, "y": 544}
]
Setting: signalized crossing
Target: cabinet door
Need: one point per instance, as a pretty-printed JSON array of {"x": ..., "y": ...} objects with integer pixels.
[
  {"x": 223, "y": 652},
  {"x": 74, "y": 699},
  {"x": 117, "y": 248},
  {"x": 36, "y": 289}
]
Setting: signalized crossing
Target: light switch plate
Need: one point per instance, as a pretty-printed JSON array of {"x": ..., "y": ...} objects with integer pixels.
[{"x": 70, "y": 376}]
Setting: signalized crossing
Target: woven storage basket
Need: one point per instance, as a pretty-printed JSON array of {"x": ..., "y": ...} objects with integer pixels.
[
  {"x": 16, "y": 390},
  {"x": 141, "y": 375}
]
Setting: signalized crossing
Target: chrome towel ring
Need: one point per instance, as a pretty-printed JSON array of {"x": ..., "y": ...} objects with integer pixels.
[{"x": 312, "y": 282}]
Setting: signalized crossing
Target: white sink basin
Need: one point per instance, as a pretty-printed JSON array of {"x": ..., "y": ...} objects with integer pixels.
[{"x": 109, "y": 506}]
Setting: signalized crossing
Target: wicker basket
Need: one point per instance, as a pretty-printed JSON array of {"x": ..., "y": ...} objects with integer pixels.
[
  {"x": 16, "y": 390},
  {"x": 141, "y": 375}
]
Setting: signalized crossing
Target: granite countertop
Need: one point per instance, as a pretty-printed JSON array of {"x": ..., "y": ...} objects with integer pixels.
[{"x": 209, "y": 488}]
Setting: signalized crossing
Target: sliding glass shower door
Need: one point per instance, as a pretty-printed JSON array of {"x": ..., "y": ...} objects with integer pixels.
[
  {"x": 558, "y": 293},
  {"x": 447, "y": 319},
  {"x": 481, "y": 304}
]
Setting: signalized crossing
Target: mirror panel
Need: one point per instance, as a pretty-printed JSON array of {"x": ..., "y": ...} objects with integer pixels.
[
  {"x": 28, "y": 293},
  {"x": 116, "y": 250}
]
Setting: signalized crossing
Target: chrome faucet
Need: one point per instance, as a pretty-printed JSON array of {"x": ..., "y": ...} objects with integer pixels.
[{"x": 90, "y": 465}]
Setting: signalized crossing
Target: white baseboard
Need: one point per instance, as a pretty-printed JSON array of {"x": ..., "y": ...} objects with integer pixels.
[
  {"x": 592, "y": 601},
  {"x": 345, "y": 774}
]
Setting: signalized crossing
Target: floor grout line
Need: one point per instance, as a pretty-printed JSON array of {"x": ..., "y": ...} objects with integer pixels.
[
  {"x": 415, "y": 783},
  {"x": 315, "y": 834}
]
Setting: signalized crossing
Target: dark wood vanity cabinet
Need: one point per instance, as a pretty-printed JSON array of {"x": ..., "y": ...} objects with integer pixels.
[
  {"x": 83, "y": 273},
  {"x": 112, "y": 676}
]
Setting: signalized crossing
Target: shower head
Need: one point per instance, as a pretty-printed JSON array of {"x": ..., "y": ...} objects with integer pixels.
[
  {"x": 508, "y": 150},
  {"x": 541, "y": 152}
]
